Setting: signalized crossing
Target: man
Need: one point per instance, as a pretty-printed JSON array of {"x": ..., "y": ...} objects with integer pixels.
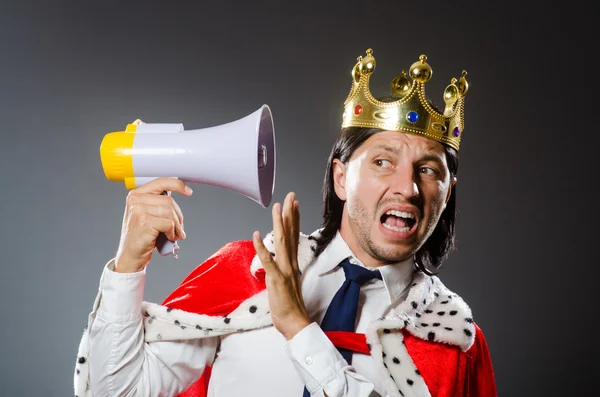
[{"x": 351, "y": 310}]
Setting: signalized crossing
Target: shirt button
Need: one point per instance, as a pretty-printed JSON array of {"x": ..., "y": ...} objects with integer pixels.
[{"x": 308, "y": 360}]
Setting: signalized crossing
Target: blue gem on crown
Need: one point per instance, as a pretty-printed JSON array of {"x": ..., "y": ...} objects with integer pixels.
[{"x": 412, "y": 116}]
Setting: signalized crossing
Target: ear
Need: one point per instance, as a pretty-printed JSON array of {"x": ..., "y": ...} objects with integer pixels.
[
  {"x": 339, "y": 179},
  {"x": 453, "y": 181}
]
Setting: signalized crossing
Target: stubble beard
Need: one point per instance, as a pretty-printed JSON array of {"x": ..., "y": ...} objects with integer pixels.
[{"x": 361, "y": 220}]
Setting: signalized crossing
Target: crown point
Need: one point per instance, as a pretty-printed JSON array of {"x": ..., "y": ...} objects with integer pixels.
[
  {"x": 401, "y": 85},
  {"x": 421, "y": 71},
  {"x": 369, "y": 52},
  {"x": 367, "y": 64},
  {"x": 463, "y": 85},
  {"x": 453, "y": 80},
  {"x": 464, "y": 73},
  {"x": 356, "y": 73}
]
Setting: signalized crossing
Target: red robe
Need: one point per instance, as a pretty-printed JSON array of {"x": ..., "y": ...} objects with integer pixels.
[{"x": 448, "y": 370}]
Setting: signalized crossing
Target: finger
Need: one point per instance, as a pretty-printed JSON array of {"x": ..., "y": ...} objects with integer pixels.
[
  {"x": 141, "y": 210},
  {"x": 161, "y": 201},
  {"x": 163, "y": 225},
  {"x": 279, "y": 240},
  {"x": 287, "y": 220},
  {"x": 296, "y": 231},
  {"x": 165, "y": 184},
  {"x": 264, "y": 255}
]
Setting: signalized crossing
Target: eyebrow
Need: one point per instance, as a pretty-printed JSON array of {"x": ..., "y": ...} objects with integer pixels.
[
  {"x": 431, "y": 157},
  {"x": 388, "y": 148},
  {"x": 425, "y": 158}
]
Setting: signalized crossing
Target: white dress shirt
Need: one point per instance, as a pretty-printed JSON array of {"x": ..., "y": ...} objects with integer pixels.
[{"x": 253, "y": 363}]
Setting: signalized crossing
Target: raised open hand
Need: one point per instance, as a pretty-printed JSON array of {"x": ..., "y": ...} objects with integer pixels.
[{"x": 282, "y": 274}]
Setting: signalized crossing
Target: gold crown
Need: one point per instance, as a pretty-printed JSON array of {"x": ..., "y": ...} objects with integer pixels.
[{"x": 411, "y": 113}]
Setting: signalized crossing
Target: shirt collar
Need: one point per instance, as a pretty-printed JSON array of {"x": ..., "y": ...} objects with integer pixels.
[{"x": 396, "y": 277}]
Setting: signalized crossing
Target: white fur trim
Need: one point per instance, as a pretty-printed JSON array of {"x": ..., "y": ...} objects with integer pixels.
[
  {"x": 390, "y": 355},
  {"x": 161, "y": 323},
  {"x": 430, "y": 312},
  {"x": 306, "y": 248}
]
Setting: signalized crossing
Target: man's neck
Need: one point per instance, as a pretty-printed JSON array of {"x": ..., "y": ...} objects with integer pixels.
[{"x": 359, "y": 252}]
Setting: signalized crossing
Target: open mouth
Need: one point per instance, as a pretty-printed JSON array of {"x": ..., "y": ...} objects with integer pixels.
[{"x": 398, "y": 221}]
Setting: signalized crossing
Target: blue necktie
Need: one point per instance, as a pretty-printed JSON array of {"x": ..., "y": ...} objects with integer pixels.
[{"x": 341, "y": 313}]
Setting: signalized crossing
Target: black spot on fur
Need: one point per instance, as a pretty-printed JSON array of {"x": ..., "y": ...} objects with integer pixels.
[
  {"x": 253, "y": 309},
  {"x": 436, "y": 294},
  {"x": 417, "y": 372},
  {"x": 431, "y": 336},
  {"x": 414, "y": 304},
  {"x": 169, "y": 309},
  {"x": 453, "y": 312},
  {"x": 418, "y": 315},
  {"x": 198, "y": 327},
  {"x": 176, "y": 322},
  {"x": 448, "y": 328},
  {"x": 424, "y": 325},
  {"x": 396, "y": 360},
  {"x": 81, "y": 360},
  {"x": 436, "y": 324},
  {"x": 441, "y": 313},
  {"x": 469, "y": 320},
  {"x": 443, "y": 302},
  {"x": 467, "y": 332},
  {"x": 428, "y": 311},
  {"x": 227, "y": 320},
  {"x": 410, "y": 382},
  {"x": 386, "y": 331}
]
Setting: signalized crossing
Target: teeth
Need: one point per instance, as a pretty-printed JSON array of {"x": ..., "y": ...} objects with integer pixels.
[
  {"x": 400, "y": 214},
  {"x": 396, "y": 229}
]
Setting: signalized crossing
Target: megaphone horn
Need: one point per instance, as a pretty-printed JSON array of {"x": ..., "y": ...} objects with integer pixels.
[{"x": 239, "y": 156}]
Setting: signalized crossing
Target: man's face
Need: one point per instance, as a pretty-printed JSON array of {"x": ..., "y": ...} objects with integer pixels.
[{"x": 395, "y": 187}]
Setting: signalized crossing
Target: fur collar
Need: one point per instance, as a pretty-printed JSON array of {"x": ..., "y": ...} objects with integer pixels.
[{"x": 430, "y": 312}]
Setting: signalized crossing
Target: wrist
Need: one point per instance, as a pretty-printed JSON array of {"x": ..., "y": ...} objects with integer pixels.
[
  {"x": 126, "y": 266},
  {"x": 294, "y": 327}
]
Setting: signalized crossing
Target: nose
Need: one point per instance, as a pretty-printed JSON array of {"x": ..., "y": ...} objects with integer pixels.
[{"x": 404, "y": 181}]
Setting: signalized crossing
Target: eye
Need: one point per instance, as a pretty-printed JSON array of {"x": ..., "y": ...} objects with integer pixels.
[
  {"x": 383, "y": 163},
  {"x": 428, "y": 171}
]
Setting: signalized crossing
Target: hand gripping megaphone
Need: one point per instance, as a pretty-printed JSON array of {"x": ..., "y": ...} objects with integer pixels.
[{"x": 239, "y": 156}]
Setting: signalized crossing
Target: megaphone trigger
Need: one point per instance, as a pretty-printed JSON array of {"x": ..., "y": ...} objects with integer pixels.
[{"x": 164, "y": 246}]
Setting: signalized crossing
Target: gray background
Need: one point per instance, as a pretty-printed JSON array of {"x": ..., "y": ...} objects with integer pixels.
[{"x": 70, "y": 72}]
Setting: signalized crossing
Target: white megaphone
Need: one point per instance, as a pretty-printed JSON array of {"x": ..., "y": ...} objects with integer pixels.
[{"x": 238, "y": 156}]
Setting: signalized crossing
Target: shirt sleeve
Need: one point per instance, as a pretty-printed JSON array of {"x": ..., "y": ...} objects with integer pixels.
[
  {"x": 121, "y": 363},
  {"x": 323, "y": 369}
]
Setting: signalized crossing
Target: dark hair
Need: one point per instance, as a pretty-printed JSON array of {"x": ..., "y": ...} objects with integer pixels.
[{"x": 440, "y": 242}]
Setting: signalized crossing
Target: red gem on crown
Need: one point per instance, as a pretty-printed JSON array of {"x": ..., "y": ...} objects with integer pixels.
[{"x": 357, "y": 110}]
